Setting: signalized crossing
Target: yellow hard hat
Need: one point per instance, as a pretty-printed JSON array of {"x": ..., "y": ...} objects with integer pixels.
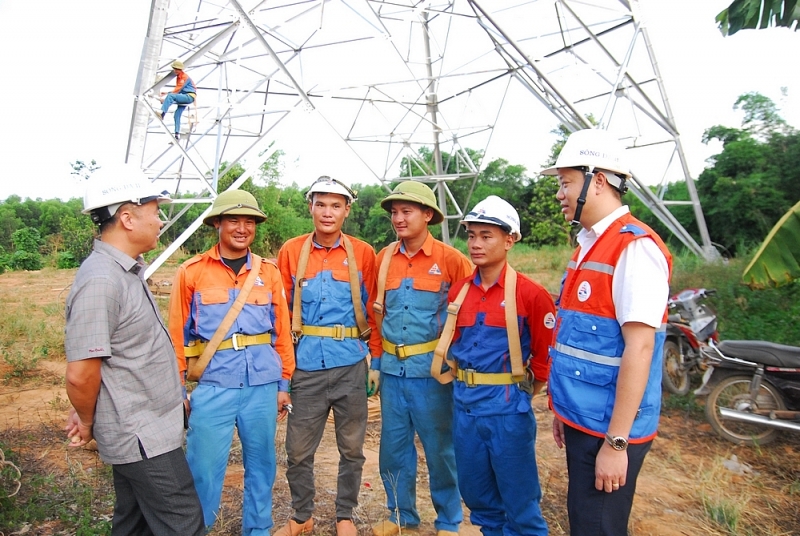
[{"x": 177, "y": 64}]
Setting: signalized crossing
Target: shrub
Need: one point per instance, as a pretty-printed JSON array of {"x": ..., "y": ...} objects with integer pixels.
[{"x": 26, "y": 260}]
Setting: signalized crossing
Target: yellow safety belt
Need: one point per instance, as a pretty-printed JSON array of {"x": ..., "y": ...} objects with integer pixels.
[
  {"x": 512, "y": 329},
  {"x": 355, "y": 289}
]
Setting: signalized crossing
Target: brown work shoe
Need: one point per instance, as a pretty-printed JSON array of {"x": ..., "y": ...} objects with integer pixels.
[
  {"x": 293, "y": 528},
  {"x": 345, "y": 527},
  {"x": 385, "y": 528},
  {"x": 446, "y": 533}
]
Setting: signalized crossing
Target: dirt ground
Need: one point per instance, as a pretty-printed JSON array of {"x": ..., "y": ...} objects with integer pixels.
[{"x": 681, "y": 490}]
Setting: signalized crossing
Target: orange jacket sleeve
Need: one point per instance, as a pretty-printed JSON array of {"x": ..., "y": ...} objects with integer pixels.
[
  {"x": 179, "y": 302},
  {"x": 283, "y": 342}
]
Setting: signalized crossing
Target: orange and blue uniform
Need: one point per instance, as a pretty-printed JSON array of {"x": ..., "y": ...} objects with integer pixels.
[
  {"x": 495, "y": 430},
  {"x": 184, "y": 94},
  {"x": 331, "y": 370},
  {"x": 415, "y": 310},
  {"x": 239, "y": 387}
]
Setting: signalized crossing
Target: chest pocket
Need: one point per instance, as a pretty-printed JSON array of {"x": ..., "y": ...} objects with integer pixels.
[
  {"x": 214, "y": 296},
  {"x": 259, "y": 296},
  {"x": 429, "y": 294}
]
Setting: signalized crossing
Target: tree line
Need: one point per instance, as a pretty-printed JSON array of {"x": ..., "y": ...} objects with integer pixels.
[{"x": 744, "y": 191}]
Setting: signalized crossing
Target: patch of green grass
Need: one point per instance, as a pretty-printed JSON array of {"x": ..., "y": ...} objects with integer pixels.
[
  {"x": 80, "y": 502},
  {"x": 686, "y": 403},
  {"x": 723, "y": 512},
  {"x": 21, "y": 364}
]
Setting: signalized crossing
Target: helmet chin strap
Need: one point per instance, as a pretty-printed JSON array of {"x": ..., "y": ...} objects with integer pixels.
[{"x": 587, "y": 180}]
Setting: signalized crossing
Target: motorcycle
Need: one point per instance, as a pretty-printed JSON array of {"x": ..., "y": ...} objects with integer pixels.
[
  {"x": 753, "y": 390},
  {"x": 691, "y": 325}
]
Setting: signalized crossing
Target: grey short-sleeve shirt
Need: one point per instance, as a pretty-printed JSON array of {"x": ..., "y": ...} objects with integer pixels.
[{"x": 112, "y": 315}]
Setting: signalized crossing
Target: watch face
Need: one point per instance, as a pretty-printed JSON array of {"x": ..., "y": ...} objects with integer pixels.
[{"x": 617, "y": 443}]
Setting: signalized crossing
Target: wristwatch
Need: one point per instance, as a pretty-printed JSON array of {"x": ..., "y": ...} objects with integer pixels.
[{"x": 617, "y": 443}]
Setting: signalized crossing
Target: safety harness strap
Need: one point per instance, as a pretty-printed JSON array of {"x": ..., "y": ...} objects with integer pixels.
[
  {"x": 383, "y": 273},
  {"x": 355, "y": 288},
  {"x": 512, "y": 325},
  {"x": 446, "y": 338},
  {"x": 299, "y": 277}
]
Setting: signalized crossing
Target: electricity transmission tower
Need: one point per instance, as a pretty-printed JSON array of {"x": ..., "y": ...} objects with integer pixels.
[{"x": 392, "y": 77}]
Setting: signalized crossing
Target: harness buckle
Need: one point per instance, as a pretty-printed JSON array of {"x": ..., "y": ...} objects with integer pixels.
[
  {"x": 469, "y": 377},
  {"x": 338, "y": 332},
  {"x": 296, "y": 337},
  {"x": 400, "y": 351},
  {"x": 235, "y": 342},
  {"x": 364, "y": 336}
]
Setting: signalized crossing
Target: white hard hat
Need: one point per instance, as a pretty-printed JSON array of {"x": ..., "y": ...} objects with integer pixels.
[
  {"x": 593, "y": 149},
  {"x": 496, "y": 211},
  {"x": 328, "y": 185},
  {"x": 111, "y": 187}
]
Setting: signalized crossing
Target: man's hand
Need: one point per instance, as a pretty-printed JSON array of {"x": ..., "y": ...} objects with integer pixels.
[
  {"x": 610, "y": 469},
  {"x": 284, "y": 403},
  {"x": 78, "y": 432},
  {"x": 558, "y": 432},
  {"x": 373, "y": 382}
]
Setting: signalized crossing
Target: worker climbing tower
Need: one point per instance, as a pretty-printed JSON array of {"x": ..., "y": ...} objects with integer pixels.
[{"x": 412, "y": 87}]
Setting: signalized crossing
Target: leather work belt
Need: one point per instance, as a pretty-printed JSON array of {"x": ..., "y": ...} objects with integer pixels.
[
  {"x": 338, "y": 332},
  {"x": 237, "y": 342},
  {"x": 472, "y": 378},
  {"x": 404, "y": 351}
]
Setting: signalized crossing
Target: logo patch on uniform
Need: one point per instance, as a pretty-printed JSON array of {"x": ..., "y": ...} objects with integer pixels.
[
  {"x": 584, "y": 291},
  {"x": 345, "y": 262},
  {"x": 549, "y": 320},
  {"x": 258, "y": 282},
  {"x": 435, "y": 270},
  {"x": 503, "y": 303}
]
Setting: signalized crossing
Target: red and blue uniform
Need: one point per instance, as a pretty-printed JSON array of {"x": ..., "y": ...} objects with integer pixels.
[
  {"x": 412, "y": 401},
  {"x": 494, "y": 426}
]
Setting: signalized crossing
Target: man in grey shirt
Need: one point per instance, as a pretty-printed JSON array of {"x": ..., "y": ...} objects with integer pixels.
[{"x": 122, "y": 377}]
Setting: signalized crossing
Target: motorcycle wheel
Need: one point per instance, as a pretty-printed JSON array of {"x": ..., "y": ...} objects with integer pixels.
[
  {"x": 674, "y": 374},
  {"x": 733, "y": 392}
]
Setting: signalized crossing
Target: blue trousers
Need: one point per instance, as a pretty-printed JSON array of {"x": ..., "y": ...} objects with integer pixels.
[
  {"x": 182, "y": 101},
  {"x": 497, "y": 472},
  {"x": 592, "y": 512},
  {"x": 215, "y": 411},
  {"x": 424, "y": 406}
]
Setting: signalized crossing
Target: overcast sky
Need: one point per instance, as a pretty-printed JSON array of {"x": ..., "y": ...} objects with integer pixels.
[{"x": 69, "y": 69}]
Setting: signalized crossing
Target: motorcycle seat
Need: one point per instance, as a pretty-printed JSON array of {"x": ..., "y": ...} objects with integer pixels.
[{"x": 767, "y": 353}]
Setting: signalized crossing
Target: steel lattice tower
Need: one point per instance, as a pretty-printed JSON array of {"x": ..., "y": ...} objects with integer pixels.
[{"x": 390, "y": 77}]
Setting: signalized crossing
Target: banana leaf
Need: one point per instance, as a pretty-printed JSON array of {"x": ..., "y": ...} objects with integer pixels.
[
  {"x": 758, "y": 14},
  {"x": 777, "y": 261}
]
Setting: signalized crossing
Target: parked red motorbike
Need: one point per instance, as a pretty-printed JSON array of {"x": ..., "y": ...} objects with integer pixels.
[
  {"x": 753, "y": 390},
  {"x": 691, "y": 325}
]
